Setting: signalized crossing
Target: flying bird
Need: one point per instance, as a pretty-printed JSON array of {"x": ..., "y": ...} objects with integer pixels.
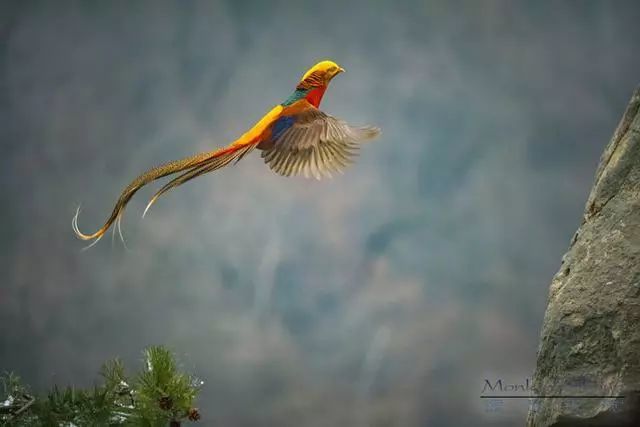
[{"x": 295, "y": 138}]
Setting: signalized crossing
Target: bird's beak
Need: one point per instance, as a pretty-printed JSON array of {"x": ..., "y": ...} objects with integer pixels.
[{"x": 342, "y": 70}]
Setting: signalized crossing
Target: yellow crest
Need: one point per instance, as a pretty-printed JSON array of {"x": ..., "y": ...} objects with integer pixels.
[{"x": 326, "y": 67}]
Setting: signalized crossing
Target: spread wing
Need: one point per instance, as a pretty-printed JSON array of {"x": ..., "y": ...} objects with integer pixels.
[{"x": 314, "y": 143}]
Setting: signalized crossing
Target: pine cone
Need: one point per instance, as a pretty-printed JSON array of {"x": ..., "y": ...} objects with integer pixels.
[{"x": 194, "y": 415}]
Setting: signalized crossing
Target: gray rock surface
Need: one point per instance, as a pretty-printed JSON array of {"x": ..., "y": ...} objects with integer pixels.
[{"x": 590, "y": 340}]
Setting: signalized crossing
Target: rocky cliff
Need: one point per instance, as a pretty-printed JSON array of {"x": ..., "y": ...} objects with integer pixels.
[{"x": 590, "y": 340}]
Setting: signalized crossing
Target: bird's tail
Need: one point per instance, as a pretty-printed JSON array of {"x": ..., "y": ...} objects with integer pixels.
[{"x": 194, "y": 166}]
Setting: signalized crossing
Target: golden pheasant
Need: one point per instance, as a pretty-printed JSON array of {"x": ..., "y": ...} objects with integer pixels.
[{"x": 295, "y": 138}]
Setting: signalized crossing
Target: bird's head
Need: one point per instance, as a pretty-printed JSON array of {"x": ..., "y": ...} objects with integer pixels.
[
  {"x": 314, "y": 82},
  {"x": 321, "y": 73}
]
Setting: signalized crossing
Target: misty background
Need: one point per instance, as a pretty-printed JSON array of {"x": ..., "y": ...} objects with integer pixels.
[{"x": 385, "y": 296}]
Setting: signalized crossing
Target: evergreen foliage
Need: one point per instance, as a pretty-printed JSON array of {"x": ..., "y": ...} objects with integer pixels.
[{"x": 159, "y": 395}]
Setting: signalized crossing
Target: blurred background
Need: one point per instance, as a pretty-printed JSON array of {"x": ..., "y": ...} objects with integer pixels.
[{"x": 386, "y": 296}]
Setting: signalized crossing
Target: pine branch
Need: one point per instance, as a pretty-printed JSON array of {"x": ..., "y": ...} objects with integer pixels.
[{"x": 158, "y": 395}]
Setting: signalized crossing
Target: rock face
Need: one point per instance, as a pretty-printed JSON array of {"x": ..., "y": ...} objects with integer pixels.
[{"x": 590, "y": 341}]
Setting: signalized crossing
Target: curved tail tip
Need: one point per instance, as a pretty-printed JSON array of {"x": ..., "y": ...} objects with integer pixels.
[
  {"x": 96, "y": 240},
  {"x": 74, "y": 223},
  {"x": 119, "y": 224},
  {"x": 151, "y": 202},
  {"x": 79, "y": 234},
  {"x": 74, "y": 226}
]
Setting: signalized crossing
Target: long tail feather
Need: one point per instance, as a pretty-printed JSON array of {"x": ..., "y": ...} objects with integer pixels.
[
  {"x": 207, "y": 166},
  {"x": 188, "y": 163}
]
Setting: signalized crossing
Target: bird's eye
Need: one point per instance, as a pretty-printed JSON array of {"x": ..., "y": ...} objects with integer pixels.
[{"x": 332, "y": 69}]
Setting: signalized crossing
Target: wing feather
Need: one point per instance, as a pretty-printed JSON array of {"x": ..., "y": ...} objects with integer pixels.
[
  {"x": 325, "y": 165},
  {"x": 316, "y": 164},
  {"x": 315, "y": 145}
]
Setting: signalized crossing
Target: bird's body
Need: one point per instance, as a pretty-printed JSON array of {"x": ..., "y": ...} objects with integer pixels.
[{"x": 295, "y": 138}]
